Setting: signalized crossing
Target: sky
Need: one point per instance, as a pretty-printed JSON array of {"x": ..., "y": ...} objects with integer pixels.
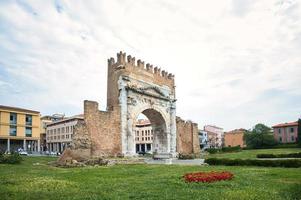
[{"x": 236, "y": 63}]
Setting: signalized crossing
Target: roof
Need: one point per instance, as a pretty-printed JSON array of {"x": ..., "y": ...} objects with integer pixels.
[
  {"x": 18, "y": 109},
  {"x": 67, "y": 119},
  {"x": 286, "y": 124}
]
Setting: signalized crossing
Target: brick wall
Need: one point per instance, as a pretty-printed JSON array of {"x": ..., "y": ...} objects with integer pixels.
[
  {"x": 104, "y": 129},
  {"x": 187, "y": 137}
]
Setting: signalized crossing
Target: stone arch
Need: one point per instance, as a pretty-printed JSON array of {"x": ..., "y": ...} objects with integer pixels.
[{"x": 160, "y": 129}]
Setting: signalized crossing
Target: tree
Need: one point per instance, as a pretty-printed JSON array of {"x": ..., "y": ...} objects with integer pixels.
[
  {"x": 259, "y": 137},
  {"x": 299, "y": 132}
]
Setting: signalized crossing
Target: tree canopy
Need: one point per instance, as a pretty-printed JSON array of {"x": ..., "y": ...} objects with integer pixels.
[{"x": 260, "y": 136}]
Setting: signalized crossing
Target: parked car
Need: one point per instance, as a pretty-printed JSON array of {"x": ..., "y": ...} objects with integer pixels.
[{"x": 23, "y": 153}]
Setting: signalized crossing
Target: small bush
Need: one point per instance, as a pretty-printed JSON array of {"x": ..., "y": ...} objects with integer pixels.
[
  {"x": 186, "y": 156},
  {"x": 254, "y": 162},
  {"x": 224, "y": 150},
  {"x": 288, "y": 155},
  {"x": 13, "y": 158},
  {"x": 231, "y": 149},
  {"x": 212, "y": 150}
]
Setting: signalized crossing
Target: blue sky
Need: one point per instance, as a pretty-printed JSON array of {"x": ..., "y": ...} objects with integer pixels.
[{"x": 237, "y": 63}]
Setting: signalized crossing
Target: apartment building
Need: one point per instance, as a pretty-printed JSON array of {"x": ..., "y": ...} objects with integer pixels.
[
  {"x": 19, "y": 129},
  {"x": 215, "y": 136},
  {"x": 47, "y": 119},
  {"x": 286, "y": 132},
  {"x": 143, "y": 136},
  {"x": 59, "y": 133}
]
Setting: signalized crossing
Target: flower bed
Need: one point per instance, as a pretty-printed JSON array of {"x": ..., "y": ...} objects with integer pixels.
[{"x": 208, "y": 176}]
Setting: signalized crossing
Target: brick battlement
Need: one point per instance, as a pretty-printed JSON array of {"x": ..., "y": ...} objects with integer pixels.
[{"x": 123, "y": 61}]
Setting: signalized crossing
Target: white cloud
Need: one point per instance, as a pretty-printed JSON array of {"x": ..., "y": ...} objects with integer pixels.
[{"x": 226, "y": 55}]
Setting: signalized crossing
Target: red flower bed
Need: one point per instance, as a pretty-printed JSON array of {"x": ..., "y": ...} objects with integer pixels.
[{"x": 208, "y": 176}]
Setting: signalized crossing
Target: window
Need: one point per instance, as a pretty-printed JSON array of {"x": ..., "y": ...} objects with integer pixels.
[
  {"x": 292, "y": 130},
  {"x": 280, "y": 139},
  {"x": 12, "y": 130},
  {"x": 13, "y": 118},
  {"x": 293, "y": 138},
  {"x": 58, "y": 131},
  {"x": 142, "y": 133},
  {"x": 63, "y": 129},
  {"x": 67, "y": 129},
  {"x": 137, "y": 133},
  {"x": 54, "y": 131},
  {"x": 28, "y": 120},
  {"x": 279, "y": 130},
  {"x": 28, "y": 132}
]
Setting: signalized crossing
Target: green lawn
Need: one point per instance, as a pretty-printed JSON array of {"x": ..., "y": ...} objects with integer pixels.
[
  {"x": 244, "y": 154},
  {"x": 31, "y": 181}
]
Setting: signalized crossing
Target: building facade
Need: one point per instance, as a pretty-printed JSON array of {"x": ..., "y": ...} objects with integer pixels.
[
  {"x": 286, "y": 132},
  {"x": 234, "y": 138},
  {"x": 203, "y": 138},
  {"x": 59, "y": 133},
  {"x": 47, "y": 119},
  {"x": 215, "y": 136},
  {"x": 19, "y": 129},
  {"x": 143, "y": 136}
]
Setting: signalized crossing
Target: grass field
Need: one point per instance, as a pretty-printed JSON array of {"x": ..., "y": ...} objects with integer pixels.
[
  {"x": 31, "y": 180},
  {"x": 244, "y": 154}
]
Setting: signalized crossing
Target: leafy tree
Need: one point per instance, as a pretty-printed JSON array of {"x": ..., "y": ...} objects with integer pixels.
[
  {"x": 259, "y": 137},
  {"x": 299, "y": 132}
]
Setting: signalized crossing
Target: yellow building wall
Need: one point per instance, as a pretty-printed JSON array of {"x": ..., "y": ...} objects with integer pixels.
[
  {"x": 4, "y": 123},
  {"x": 36, "y": 124},
  {"x": 20, "y": 124}
]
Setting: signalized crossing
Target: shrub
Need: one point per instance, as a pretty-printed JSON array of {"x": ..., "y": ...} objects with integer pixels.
[
  {"x": 231, "y": 149},
  {"x": 208, "y": 176},
  {"x": 13, "y": 158},
  {"x": 254, "y": 162},
  {"x": 279, "y": 146},
  {"x": 224, "y": 150},
  {"x": 288, "y": 155},
  {"x": 186, "y": 156},
  {"x": 212, "y": 150}
]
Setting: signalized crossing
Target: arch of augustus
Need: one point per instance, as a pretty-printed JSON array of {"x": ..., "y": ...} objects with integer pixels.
[{"x": 134, "y": 88}]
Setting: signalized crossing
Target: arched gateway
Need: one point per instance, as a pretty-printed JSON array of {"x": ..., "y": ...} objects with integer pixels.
[{"x": 134, "y": 88}]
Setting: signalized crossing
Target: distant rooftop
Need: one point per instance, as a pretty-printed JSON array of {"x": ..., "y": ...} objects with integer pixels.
[
  {"x": 80, "y": 117},
  {"x": 285, "y": 124},
  {"x": 236, "y": 130},
  {"x": 18, "y": 109}
]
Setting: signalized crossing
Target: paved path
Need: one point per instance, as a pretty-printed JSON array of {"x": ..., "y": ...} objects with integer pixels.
[{"x": 175, "y": 162}]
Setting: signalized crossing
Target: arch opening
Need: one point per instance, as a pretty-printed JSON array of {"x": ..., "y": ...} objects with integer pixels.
[{"x": 150, "y": 132}]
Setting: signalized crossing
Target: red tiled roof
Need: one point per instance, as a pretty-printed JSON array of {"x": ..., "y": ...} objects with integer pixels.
[{"x": 285, "y": 124}]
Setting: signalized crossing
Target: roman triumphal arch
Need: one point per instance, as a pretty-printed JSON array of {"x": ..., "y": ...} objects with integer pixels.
[
  {"x": 133, "y": 88},
  {"x": 158, "y": 104}
]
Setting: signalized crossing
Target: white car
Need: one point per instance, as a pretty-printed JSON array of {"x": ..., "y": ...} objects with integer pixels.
[{"x": 24, "y": 153}]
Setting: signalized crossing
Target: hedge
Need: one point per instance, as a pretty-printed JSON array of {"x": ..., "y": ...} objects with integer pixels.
[
  {"x": 254, "y": 162},
  {"x": 224, "y": 150},
  {"x": 288, "y": 155},
  {"x": 13, "y": 158}
]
